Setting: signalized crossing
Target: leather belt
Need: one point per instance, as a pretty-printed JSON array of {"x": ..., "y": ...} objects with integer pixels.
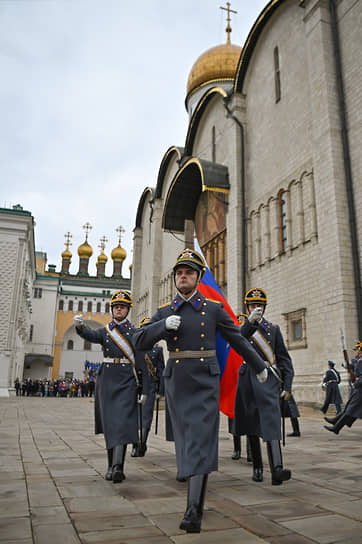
[
  {"x": 189, "y": 354},
  {"x": 116, "y": 360}
]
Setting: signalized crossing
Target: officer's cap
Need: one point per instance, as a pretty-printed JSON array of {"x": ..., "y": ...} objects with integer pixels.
[
  {"x": 191, "y": 258},
  {"x": 255, "y": 296},
  {"x": 358, "y": 345},
  {"x": 144, "y": 320},
  {"x": 121, "y": 297}
]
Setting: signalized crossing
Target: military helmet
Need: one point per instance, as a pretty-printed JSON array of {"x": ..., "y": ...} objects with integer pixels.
[
  {"x": 144, "y": 320},
  {"x": 121, "y": 297},
  {"x": 358, "y": 345},
  {"x": 255, "y": 296},
  {"x": 191, "y": 258}
]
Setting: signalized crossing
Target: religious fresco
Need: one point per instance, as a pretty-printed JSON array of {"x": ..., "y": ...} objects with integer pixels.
[{"x": 210, "y": 216}]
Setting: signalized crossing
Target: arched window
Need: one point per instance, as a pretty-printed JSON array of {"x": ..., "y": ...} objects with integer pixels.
[
  {"x": 61, "y": 305},
  {"x": 89, "y": 306},
  {"x": 277, "y": 75},
  {"x": 70, "y": 344},
  {"x": 282, "y": 221},
  {"x": 98, "y": 307},
  {"x": 107, "y": 307},
  {"x": 87, "y": 345},
  {"x": 70, "y": 306},
  {"x": 80, "y": 306}
]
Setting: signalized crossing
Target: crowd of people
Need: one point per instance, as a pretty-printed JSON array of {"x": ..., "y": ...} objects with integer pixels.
[{"x": 55, "y": 388}]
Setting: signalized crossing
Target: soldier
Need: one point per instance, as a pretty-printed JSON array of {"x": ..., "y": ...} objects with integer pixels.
[
  {"x": 118, "y": 383},
  {"x": 330, "y": 383},
  {"x": 189, "y": 324},
  {"x": 353, "y": 408},
  {"x": 156, "y": 364},
  {"x": 257, "y": 408}
]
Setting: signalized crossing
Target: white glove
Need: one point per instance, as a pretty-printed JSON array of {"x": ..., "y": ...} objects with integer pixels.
[
  {"x": 158, "y": 396},
  {"x": 262, "y": 376},
  {"x": 173, "y": 322},
  {"x": 78, "y": 320},
  {"x": 142, "y": 399},
  {"x": 285, "y": 395},
  {"x": 255, "y": 315}
]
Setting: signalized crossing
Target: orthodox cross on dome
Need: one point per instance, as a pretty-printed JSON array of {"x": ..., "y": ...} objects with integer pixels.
[
  {"x": 87, "y": 227},
  {"x": 67, "y": 242},
  {"x": 228, "y": 28},
  {"x": 103, "y": 242},
  {"x": 120, "y": 231}
]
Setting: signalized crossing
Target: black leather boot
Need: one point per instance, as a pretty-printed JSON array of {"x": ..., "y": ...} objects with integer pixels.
[
  {"x": 119, "y": 454},
  {"x": 249, "y": 455},
  {"x": 341, "y": 422},
  {"x": 279, "y": 474},
  {"x": 332, "y": 420},
  {"x": 134, "y": 452},
  {"x": 237, "y": 448},
  {"x": 295, "y": 424},
  {"x": 142, "y": 448},
  {"x": 191, "y": 522},
  {"x": 108, "y": 475},
  {"x": 257, "y": 458}
]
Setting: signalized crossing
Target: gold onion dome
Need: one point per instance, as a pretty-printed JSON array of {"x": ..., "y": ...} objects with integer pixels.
[
  {"x": 66, "y": 255},
  {"x": 218, "y": 63},
  {"x": 118, "y": 253},
  {"x": 102, "y": 258},
  {"x": 85, "y": 250}
]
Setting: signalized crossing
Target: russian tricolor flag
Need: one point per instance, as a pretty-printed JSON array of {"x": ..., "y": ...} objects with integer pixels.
[{"x": 229, "y": 360}]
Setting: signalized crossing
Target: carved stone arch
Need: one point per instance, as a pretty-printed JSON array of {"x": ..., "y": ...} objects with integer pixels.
[
  {"x": 148, "y": 193},
  {"x": 172, "y": 154}
]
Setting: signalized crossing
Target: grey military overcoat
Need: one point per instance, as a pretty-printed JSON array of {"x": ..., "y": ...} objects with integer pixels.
[
  {"x": 257, "y": 405},
  {"x": 155, "y": 364},
  {"x": 354, "y": 405},
  {"x": 192, "y": 384},
  {"x": 115, "y": 394}
]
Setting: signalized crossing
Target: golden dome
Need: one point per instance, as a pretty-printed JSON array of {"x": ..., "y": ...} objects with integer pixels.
[
  {"x": 102, "y": 258},
  {"x": 118, "y": 253},
  {"x": 66, "y": 255},
  {"x": 85, "y": 250},
  {"x": 217, "y": 63}
]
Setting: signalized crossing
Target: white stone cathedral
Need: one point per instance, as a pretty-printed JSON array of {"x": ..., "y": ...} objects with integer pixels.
[{"x": 269, "y": 178}]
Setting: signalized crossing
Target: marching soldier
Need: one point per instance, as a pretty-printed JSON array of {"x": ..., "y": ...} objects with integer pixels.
[
  {"x": 257, "y": 407},
  {"x": 118, "y": 384},
  {"x": 330, "y": 383},
  {"x": 155, "y": 364},
  {"x": 353, "y": 408},
  {"x": 189, "y": 324}
]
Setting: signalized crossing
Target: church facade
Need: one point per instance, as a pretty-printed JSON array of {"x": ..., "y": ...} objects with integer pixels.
[{"x": 269, "y": 180}]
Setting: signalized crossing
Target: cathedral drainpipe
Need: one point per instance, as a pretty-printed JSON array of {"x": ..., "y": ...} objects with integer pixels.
[
  {"x": 347, "y": 163},
  {"x": 243, "y": 206}
]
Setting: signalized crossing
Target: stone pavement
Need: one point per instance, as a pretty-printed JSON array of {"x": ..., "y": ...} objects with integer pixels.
[{"x": 52, "y": 488}]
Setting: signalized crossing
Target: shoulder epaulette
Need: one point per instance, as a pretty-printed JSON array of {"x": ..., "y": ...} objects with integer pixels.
[
  {"x": 212, "y": 300},
  {"x": 164, "y": 305}
]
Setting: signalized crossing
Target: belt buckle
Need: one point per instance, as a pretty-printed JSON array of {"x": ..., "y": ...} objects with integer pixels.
[{"x": 116, "y": 360}]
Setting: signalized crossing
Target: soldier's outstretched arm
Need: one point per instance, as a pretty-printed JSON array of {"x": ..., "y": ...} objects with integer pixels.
[
  {"x": 96, "y": 336},
  {"x": 231, "y": 333},
  {"x": 146, "y": 337}
]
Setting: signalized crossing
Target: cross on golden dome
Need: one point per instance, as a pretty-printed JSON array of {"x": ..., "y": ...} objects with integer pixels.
[
  {"x": 67, "y": 242},
  {"x": 103, "y": 242},
  {"x": 87, "y": 227},
  {"x": 120, "y": 231},
  {"x": 228, "y": 28}
]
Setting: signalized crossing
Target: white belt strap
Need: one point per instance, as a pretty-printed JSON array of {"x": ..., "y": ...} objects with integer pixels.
[
  {"x": 125, "y": 347},
  {"x": 265, "y": 347}
]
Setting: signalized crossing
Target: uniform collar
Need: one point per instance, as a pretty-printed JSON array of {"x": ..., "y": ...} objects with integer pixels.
[
  {"x": 123, "y": 326},
  {"x": 195, "y": 301}
]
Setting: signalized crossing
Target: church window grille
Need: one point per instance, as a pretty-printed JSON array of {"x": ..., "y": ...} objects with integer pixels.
[
  {"x": 296, "y": 337},
  {"x": 38, "y": 291},
  {"x": 70, "y": 306},
  {"x": 283, "y": 221},
  {"x": 277, "y": 75},
  {"x": 89, "y": 306},
  {"x": 107, "y": 307},
  {"x": 61, "y": 305},
  {"x": 98, "y": 307},
  {"x": 215, "y": 253},
  {"x": 70, "y": 345},
  {"x": 80, "y": 306},
  {"x": 31, "y": 332},
  {"x": 87, "y": 345}
]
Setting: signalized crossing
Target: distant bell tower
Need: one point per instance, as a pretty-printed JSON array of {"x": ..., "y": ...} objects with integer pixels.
[
  {"x": 85, "y": 252},
  {"x": 118, "y": 255},
  {"x": 66, "y": 255},
  {"x": 102, "y": 259}
]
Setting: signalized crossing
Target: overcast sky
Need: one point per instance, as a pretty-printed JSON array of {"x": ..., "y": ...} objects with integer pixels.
[{"x": 91, "y": 97}]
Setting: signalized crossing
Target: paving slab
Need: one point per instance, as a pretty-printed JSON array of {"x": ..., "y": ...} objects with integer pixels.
[{"x": 52, "y": 486}]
